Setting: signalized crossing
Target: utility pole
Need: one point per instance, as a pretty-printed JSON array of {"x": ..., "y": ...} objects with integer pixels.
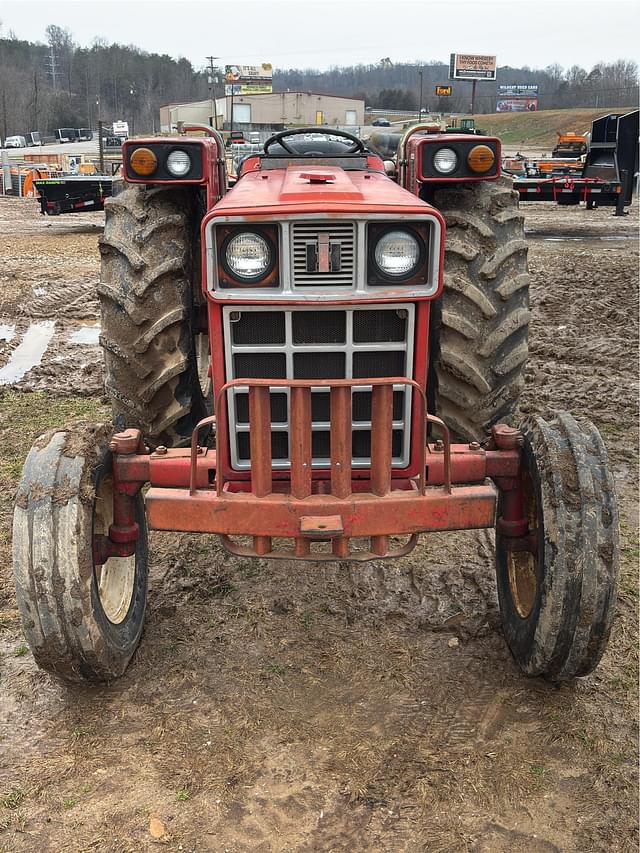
[
  {"x": 420, "y": 105},
  {"x": 473, "y": 97},
  {"x": 4, "y": 114},
  {"x": 213, "y": 79},
  {"x": 35, "y": 98},
  {"x": 101, "y": 147}
]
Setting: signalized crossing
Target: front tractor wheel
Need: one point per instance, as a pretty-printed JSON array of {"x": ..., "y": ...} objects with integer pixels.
[
  {"x": 82, "y": 620},
  {"x": 156, "y": 362},
  {"x": 557, "y": 588},
  {"x": 480, "y": 325}
]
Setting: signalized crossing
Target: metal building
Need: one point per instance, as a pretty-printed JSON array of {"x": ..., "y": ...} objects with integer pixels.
[{"x": 272, "y": 110}]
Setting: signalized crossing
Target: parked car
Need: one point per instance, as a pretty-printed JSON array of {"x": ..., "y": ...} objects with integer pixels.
[
  {"x": 381, "y": 122},
  {"x": 15, "y": 142},
  {"x": 84, "y": 134},
  {"x": 34, "y": 138}
]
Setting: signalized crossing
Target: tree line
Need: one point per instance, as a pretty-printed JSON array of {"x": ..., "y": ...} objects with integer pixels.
[
  {"x": 386, "y": 85},
  {"x": 61, "y": 84}
]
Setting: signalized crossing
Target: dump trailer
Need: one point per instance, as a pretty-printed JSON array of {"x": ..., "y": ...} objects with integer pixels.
[
  {"x": 320, "y": 361},
  {"x": 73, "y": 193}
]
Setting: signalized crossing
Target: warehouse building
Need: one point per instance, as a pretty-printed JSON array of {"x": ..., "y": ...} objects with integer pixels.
[{"x": 268, "y": 111}]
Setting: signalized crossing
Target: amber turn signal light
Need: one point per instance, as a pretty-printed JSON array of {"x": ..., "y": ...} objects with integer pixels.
[
  {"x": 143, "y": 161},
  {"x": 481, "y": 158}
]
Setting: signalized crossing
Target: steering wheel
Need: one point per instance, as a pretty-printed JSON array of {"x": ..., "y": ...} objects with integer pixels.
[{"x": 357, "y": 146}]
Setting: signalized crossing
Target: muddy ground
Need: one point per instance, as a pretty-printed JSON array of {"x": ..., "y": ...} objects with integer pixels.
[{"x": 280, "y": 707}]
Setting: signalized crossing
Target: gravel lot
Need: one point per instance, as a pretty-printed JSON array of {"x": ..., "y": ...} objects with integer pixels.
[{"x": 286, "y": 707}]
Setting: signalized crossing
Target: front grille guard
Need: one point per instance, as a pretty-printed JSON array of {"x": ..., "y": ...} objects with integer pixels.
[{"x": 323, "y": 528}]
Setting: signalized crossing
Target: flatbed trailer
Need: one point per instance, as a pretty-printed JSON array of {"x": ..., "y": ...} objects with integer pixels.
[
  {"x": 73, "y": 193},
  {"x": 568, "y": 189}
]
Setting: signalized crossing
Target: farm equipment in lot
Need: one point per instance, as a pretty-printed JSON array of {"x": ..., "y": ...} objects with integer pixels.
[
  {"x": 304, "y": 365},
  {"x": 605, "y": 177},
  {"x": 464, "y": 125}
]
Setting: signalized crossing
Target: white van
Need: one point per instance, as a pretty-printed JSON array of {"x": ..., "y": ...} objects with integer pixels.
[{"x": 15, "y": 142}]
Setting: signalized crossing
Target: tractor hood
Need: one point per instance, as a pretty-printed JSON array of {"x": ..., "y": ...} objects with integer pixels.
[{"x": 322, "y": 188}]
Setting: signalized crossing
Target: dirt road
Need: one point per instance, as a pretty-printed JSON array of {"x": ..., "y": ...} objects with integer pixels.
[{"x": 306, "y": 707}]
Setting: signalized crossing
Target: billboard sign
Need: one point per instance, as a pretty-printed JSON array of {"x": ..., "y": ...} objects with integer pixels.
[
  {"x": 247, "y": 88},
  {"x": 121, "y": 128},
  {"x": 444, "y": 91},
  {"x": 472, "y": 66},
  {"x": 258, "y": 74},
  {"x": 518, "y": 90},
  {"x": 517, "y": 105}
]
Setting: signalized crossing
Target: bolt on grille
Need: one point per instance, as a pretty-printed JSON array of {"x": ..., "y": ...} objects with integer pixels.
[
  {"x": 319, "y": 343},
  {"x": 323, "y": 255}
]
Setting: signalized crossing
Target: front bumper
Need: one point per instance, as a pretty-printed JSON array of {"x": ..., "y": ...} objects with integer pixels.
[{"x": 319, "y": 519}]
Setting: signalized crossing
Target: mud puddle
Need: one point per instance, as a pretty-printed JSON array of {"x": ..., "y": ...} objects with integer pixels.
[
  {"x": 7, "y": 331},
  {"x": 29, "y": 352},
  {"x": 51, "y": 355},
  {"x": 86, "y": 335}
]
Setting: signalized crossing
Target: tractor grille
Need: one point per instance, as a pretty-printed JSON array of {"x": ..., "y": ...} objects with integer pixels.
[
  {"x": 319, "y": 343},
  {"x": 305, "y": 241}
]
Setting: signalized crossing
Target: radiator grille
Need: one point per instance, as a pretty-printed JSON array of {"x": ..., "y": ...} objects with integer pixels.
[
  {"x": 319, "y": 343},
  {"x": 305, "y": 238}
]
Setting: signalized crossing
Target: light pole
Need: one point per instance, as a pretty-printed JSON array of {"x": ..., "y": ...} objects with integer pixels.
[
  {"x": 132, "y": 94},
  {"x": 420, "y": 104}
]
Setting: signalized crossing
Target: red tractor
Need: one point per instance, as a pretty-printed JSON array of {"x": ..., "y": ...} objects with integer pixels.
[{"x": 307, "y": 365}]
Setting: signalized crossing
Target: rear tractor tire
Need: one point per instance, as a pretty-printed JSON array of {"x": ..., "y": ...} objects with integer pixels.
[
  {"x": 480, "y": 325},
  {"x": 557, "y": 604},
  {"x": 82, "y": 621},
  {"x": 148, "y": 293}
]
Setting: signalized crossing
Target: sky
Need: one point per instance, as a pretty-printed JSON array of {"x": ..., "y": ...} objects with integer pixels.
[{"x": 312, "y": 34}]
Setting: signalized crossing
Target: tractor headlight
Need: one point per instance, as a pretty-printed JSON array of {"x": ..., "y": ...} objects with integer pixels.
[
  {"x": 445, "y": 161},
  {"x": 397, "y": 254},
  {"x": 178, "y": 164},
  {"x": 248, "y": 256}
]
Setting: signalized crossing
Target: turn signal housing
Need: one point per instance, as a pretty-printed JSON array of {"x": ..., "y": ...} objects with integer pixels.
[
  {"x": 480, "y": 159},
  {"x": 143, "y": 161}
]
